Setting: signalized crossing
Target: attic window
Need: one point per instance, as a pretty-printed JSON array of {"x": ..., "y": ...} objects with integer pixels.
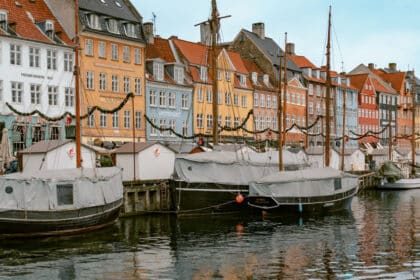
[
  {"x": 49, "y": 28},
  {"x": 103, "y": 1},
  {"x": 203, "y": 73},
  {"x": 130, "y": 30},
  {"x": 254, "y": 77},
  {"x": 242, "y": 79},
  {"x": 265, "y": 79},
  {"x": 112, "y": 26},
  {"x": 118, "y": 4},
  {"x": 178, "y": 74},
  {"x": 3, "y": 20},
  {"x": 93, "y": 21}
]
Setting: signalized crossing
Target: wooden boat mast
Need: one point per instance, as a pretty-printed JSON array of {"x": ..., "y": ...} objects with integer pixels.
[
  {"x": 389, "y": 133},
  {"x": 214, "y": 27},
  {"x": 327, "y": 97},
  {"x": 279, "y": 118},
  {"x": 284, "y": 89},
  {"x": 343, "y": 140},
  {"x": 413, "y": 123},
  {"x": 77, "y": 83}
]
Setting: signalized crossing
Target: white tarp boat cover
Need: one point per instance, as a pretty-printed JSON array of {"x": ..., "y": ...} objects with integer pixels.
[
  {"x": 303, "y": 183},
  {"x": 37, "y": 191},
  {"x": 223, "y": 167}
]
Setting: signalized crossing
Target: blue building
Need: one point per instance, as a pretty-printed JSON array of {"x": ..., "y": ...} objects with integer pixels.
[
  {"x": 343, "y": 88},
  {"x": 168, "y": 93}
]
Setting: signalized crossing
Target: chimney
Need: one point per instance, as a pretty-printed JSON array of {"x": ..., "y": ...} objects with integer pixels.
[
  {"x": 393, "y": 66},
  {"x": 290, "y": 48},
  {"x": 371, "y": 66},
  {"x": 205, "y": 33},
  {"x": 259, "y": 29},
  {"x": 148, "y": 32}
]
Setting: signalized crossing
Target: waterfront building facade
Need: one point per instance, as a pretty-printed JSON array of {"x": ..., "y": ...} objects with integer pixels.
[
  {"x": 265, "y": 102},
  {"x": 168, "y": 93},
  {"x": 315, "y": 81},
  {"x": 37, "y": 62},
  {"x": 264, "y": 51},
  {"x": 235, "y": 92},
  {"x": 386, "y": 99},
  {"x": 368, "y": 112},
  {"x": 398, "y": 80},
  {"x": 112, "y": 66},
  {"x": 343, "y": 89}
]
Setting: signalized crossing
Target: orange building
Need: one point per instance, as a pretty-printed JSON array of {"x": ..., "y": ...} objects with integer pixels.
[
  {"x": 234, "y": 89},
  {"x": 112, "y": 66}
]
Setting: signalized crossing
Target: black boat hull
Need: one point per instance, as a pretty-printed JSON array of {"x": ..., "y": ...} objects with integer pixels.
[
  {"x": 208, "y": 199},
  {"x": 302, "y": 205},
  {"x": 48, "y": 223}
]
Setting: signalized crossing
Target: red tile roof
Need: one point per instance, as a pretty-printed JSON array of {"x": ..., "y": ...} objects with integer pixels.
[
  {"x": 358, "y": 81},
  {"x": 302, "y": 62},
  {"x": 160, "y": 49},
  {"x": 238, "y": 63},
  {"x": 195, "y": 53},
  {"x": 25, "y": 27},
  {"x": 396, "y": 79}
]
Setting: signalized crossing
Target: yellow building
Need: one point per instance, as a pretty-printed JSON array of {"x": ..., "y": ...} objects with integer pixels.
[
  {"x": 234, "y": 89},
  {"x": 111, "y": 67}
]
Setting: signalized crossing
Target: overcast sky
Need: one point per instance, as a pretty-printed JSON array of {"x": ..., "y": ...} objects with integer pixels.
[{"x": 364, "y": 31}]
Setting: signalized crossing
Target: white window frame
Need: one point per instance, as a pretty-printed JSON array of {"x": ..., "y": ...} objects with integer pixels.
[
  {"x": 102, "y": 81},
  {"x": 101, "y": 49},
  {"x": 15, "y": 54},
  {"x": 69, "y": 97},
  {"x": 137, "y": 86},
  {"x": 34, "y": 57},
  {"x": 35, "y": 90},
  {"x": 68, "y": 62},
  {"x": 53, "y": 95},
  {"x": 126, "y": 54},
  {"x": 88, "y": 47}
]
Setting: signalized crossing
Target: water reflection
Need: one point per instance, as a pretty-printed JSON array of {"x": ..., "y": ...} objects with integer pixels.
[{"x": 377, "y": 239}]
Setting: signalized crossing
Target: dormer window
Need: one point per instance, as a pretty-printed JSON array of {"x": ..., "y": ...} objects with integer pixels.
[
  {"x": 266, "y": 79},
  {"x": 179, "y": 75},
  {"x": 254, "y": 78},
  {"x": 3, "y": 20},
  {"x": 93, "y": 21},
  {"x": 49, "y": 28},
  {"x": 242, "y": 80},
  {"x": 158, "y": 71},
  {"x": 203, "y": 73},
  {"x": 112, "y": 26},
  {"x": 130, "y": 30}
]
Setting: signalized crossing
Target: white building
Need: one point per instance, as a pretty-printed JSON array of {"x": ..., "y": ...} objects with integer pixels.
[
  {"x": 36, "y": 62},
  {"x": 55, "y": 154},
  {"x": 152, "y": 161}
]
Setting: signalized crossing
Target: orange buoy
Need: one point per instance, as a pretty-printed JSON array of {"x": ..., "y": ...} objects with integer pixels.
[{"x": 239, "y": 198}]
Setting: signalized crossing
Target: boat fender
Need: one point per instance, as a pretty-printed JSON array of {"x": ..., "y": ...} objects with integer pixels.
[{"x": 239, "y": 198}]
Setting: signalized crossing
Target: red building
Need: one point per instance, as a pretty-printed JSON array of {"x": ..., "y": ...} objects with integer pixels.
[{"x": 368, "y": 112}]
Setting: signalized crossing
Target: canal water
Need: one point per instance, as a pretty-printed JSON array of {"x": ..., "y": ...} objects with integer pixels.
[{"x": 378, "y": 239}]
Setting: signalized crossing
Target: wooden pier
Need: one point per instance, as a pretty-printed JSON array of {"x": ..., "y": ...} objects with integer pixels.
[
  {"x": 146, "y": 197},
  {"x": 368, "y": 181}
]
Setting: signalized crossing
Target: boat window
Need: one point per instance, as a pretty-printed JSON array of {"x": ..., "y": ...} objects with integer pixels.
[
  {"x": 65, "y": 194},
  {"x": 9, "y": 189},
  {"x": 337, "y": 184}
]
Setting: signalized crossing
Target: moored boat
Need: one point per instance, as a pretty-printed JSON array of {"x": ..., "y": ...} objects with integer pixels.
[
  {"x": 217, "y": 182},
  {"x": 57, "y": 202},
  {"x": 313, "y": 191}
]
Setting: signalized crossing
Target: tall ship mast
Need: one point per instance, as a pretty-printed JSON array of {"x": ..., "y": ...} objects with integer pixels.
[{"x": 327, "y": 96}]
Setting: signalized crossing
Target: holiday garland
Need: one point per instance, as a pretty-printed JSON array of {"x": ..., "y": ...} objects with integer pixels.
[{"x": 67, "y": 113}]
